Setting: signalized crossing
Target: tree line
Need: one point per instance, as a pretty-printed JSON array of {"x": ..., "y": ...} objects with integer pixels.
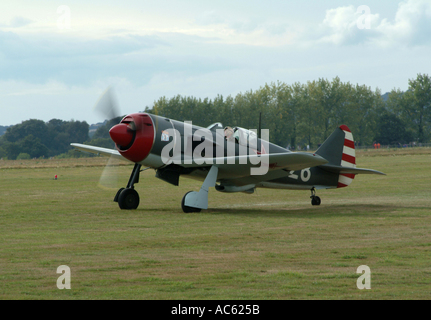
[
  {"x": 306, "y": 114},
  {"x": 296, "y": 115},
  {"x": 36, "y": 139}
]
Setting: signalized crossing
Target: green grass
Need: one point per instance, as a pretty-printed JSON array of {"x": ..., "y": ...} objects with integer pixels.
[{"x": 269, "y": 245}]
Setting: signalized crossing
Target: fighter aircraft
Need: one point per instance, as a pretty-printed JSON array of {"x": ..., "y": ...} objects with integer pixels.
[{"x": 230, "y": 159}]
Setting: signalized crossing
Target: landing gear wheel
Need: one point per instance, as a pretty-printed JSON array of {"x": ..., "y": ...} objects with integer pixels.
[
  {"x": 118, "y": 194},
  {"x": 315, "y": 201},
  {"x": 128, "y": 199},
  {"x": 187, "y": 209}
]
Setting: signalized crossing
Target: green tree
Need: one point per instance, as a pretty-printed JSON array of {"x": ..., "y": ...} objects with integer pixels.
[
  {"x": 33, "y": 146},
  {"x": 38, "y": 138},
  {"x": 37, "y": 128},
  {"x": 310, "y": 112},
  {"x": 23, "y": 156},
  {"x": 391, "y": 130},
  {"x": 418, "y": 108},
  {"x": 363, "y": 109},
  {"x": 276, "y": 114},
  {"x": 3, "y": 153}
]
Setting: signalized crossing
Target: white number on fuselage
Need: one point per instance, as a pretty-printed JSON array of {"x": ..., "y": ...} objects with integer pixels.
[{"x": 305, "y": 175}]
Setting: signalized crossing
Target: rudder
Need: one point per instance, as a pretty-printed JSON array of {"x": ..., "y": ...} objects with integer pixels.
[{"x": 339, "y": 150}]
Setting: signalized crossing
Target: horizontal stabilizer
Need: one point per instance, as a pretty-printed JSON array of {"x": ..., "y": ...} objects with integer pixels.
[{"x": 349, "y": 170}]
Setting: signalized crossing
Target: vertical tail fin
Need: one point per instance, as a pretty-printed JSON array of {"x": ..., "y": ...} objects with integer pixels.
[{"x": 339, "y": 150}]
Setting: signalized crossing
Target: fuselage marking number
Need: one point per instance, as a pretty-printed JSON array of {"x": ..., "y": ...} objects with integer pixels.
[{"x": 305, "y": 175}]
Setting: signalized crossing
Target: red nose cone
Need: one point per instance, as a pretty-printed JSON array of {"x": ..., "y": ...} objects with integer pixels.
[{"x": 121, "y": 134}]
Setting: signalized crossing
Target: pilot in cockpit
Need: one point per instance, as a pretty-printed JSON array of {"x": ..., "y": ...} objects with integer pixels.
[{"x": 231, "y": 134}]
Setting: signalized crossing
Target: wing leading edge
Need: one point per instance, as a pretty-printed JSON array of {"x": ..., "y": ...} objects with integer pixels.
[{"x": 98, "y": 150}]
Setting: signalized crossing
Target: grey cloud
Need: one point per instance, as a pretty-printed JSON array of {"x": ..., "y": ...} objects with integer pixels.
[
  {"x": 14, "y": 46},
  {"x": 82, "y": 62},
  {"x": 240, "y": 24},
  {"x": 18, "y": 22}
]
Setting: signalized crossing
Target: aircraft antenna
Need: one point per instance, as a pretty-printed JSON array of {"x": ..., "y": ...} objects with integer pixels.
[{"x": 260, "y": 125}]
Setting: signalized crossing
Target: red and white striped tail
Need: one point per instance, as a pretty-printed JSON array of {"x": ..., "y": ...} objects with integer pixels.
[{"x": 348, "y": 158}]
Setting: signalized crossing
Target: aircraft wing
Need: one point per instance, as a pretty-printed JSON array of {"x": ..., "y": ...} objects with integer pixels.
[
  {"x": 240, "y": 166},
  {"x": 98, "y": 150}
]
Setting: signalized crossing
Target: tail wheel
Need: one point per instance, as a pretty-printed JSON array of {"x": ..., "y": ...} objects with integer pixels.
[{"x": 315, "y": 201}]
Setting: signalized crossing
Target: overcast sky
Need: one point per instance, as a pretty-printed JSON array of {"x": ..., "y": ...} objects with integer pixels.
[{"x": 57, "y": 57}]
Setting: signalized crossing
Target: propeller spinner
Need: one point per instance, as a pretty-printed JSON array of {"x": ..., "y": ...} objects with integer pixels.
[
  {"x": 134, "y": 136},
  {"x": 122, "y": 134}
]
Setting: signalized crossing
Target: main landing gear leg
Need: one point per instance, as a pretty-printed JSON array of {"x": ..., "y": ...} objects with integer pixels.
[
  {"x": 128, "y": 198},
  {"x": 196, "y": 201},
  {"x": 315, "y": 200}
]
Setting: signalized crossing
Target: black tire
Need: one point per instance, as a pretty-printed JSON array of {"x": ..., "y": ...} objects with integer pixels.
[
  {"x": 315, "y": 201},
  {"x": 128, "y": 199},
  {"x": 118, "y": 194},
  {"x": 187, "y": 209}
]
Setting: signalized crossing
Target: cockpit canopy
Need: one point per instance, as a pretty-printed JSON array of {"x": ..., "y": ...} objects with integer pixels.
[
  {"x": 215, "y": 126},
  {"x": 240, "y": 135},
  {"x": 244, "y": 136}
]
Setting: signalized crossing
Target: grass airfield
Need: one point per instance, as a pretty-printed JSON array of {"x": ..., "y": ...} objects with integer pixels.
[{"x": 269, "y": 245}]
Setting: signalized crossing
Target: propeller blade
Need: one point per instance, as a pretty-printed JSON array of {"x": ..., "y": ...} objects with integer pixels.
[
  {"x": 109, "y": 176},
  {"x": 107, "y": 105}
]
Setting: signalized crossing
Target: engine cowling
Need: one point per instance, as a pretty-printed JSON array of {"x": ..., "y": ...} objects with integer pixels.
[{"x": 134, "y": 136}]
